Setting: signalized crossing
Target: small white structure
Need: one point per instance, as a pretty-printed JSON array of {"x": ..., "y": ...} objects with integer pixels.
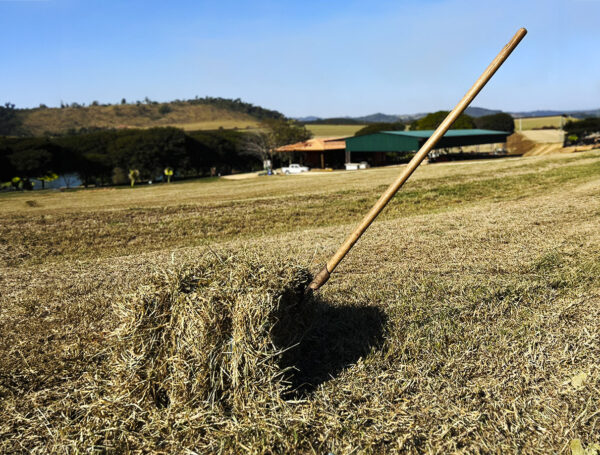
[{"x": 356, "y": 166}]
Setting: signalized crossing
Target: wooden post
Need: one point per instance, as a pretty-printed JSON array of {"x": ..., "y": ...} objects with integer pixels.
[{"x": 322, "y": 277}]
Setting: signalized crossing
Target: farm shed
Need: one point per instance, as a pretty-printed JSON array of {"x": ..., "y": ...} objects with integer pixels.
[
  {"x": 322, "y": 152},
  {"x": 383, "y": 147}
]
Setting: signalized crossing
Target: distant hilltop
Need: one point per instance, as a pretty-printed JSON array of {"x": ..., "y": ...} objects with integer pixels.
[
  {"x": 208, "y": 113},
  {"x": 472, "y": 111}
]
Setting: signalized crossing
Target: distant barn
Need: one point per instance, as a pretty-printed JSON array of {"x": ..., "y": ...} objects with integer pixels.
[
  {"x": 383, "y": 148},
  {"x": 379, "y": 148}
]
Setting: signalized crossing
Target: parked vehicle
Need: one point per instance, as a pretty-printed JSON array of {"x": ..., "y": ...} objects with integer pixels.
[{"x": 294, "y": 169}]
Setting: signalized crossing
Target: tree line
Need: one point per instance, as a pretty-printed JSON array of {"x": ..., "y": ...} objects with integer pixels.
[
  {"x": 9, "y": 121},
  {"x": 581, "y": 132},
  {"x": 108, "y": 157},
  {"x": 497, "y": 122}
]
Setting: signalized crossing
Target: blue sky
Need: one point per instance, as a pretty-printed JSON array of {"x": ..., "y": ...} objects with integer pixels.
[{"x": 326, "y": 58}]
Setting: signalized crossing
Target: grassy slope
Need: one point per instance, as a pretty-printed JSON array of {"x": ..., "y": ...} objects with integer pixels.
[
  {"x": 333, "y": 130},
  {"x": 190, "y": 117},
  {"x": 539, "y": 122},
  {"x": 486, "y": 273}
]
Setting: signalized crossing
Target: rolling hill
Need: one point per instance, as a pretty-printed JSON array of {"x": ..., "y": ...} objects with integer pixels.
[{"x": 198, "y": 114}]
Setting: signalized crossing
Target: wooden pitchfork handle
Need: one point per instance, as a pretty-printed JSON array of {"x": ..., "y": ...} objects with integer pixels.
[{"x": 322, "y": 277}]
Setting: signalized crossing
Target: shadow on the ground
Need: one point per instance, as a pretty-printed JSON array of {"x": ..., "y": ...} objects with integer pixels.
[{"x": 338, "y": 335}]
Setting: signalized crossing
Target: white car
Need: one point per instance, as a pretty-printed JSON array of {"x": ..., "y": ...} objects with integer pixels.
[{"x": 294, "y": 169}]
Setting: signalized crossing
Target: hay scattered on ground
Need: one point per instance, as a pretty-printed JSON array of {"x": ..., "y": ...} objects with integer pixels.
[{"x": 198, "y": 346}]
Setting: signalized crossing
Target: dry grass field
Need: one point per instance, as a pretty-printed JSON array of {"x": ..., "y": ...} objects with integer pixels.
[
  {"x": 545, "y": 136},
  {"x": 167, "y": 319},
  {"x": 540, "y": 122},
  {"x": 541, "y": 142},
  {"x": 333, "y": 130}
]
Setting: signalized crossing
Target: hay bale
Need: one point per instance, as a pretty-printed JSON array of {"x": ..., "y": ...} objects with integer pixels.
[
  {"x": 199, "y": 353},
  {"x": 210, "y": 335}
]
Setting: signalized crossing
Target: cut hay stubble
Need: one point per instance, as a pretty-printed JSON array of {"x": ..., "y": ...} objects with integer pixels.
[{"x": 206, "y": 339}]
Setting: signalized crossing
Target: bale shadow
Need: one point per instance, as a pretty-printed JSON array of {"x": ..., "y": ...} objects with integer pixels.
[{"x": 336, "y": 337}]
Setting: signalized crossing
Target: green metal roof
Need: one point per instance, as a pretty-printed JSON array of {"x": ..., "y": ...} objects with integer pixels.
[
  {"x": 449, "y": 133},
  {"x": 407, "y": 141}
]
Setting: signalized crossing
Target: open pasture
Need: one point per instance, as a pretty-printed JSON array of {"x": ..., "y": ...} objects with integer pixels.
[
  {"x": 464, "y": 321},
  {"x": 530, "y": 123},
  {"x": 333, "y": 130}
]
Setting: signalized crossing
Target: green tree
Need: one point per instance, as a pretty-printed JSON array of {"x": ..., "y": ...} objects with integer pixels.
[
  {"x": 39, "y": 158},
  {"x": 274, "y": 133},
  {"x": 168, "y": 173},
  {"x": 286, "y": 131},
  {"x": 94, "y": 168},
  {"x": 583, "y": 127},
  {"x": 30, "y": 163},
  {"x": 50, "y": 177},
  {"x": 149, "y": 151},
  {"x": 377, "y": 127},
  {"x": 10, "y": 124},
  {"x": 498, "y": 122},
  {"x": 7, "y": 170},
  {"x": 259, "y": 144},
  {"x": 119, "y": 176},
  {"x": 221, "y": 150},
  {"x": 90, "y": 155},
  {"x": 16, "y": 182},
  {"x": 238, "y": 105},
  {"x": 31, "y": 158},
  {"x": 65, "y": 161},
  {"x": 164, "y": 109},
  {"x": 433, "y": 120},
  {"x": 134, "y": 176}
]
